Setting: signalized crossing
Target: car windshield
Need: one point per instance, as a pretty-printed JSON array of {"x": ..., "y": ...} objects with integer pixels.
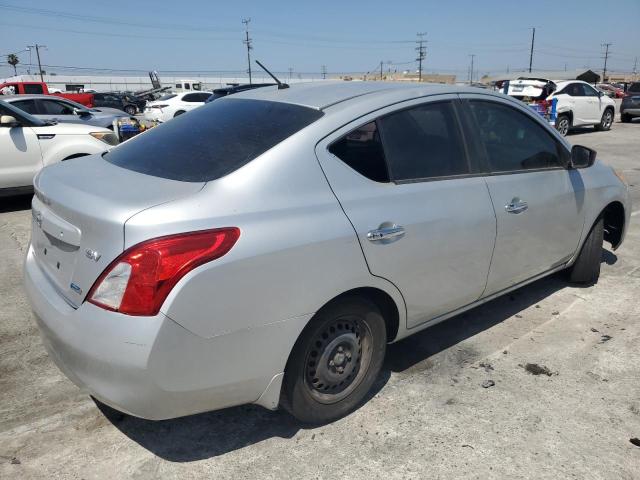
[
  {"x": 213, "y": 140},
  {"x": 8, "y": 109}
]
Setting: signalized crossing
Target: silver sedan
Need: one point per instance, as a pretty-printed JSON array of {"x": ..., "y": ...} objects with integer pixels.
[{"x": 267, "y": 247}]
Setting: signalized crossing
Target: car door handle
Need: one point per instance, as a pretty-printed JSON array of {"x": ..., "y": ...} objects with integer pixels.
[
  {"x": 385, "y": 233},
  {"x": 516, "y": 206}
]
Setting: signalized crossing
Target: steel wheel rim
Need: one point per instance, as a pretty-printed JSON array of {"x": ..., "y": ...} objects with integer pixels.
[
  {"x": 563, "y": 126},
  {"x": 338, "y": 358},
  {"x": 607, "y": 120}
]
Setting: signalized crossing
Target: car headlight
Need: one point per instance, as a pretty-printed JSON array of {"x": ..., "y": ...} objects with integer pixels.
[{"x": 109, "y": 138}]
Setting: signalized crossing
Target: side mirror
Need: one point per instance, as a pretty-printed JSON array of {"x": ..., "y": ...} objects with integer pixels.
[
  {"x": 582, "y": 157},
  {"x": 80, "y": 112},
  {"x": 8, "y": 121}
]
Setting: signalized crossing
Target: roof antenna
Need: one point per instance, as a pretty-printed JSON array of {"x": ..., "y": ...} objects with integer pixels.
[{"x": 280, "y": 84}]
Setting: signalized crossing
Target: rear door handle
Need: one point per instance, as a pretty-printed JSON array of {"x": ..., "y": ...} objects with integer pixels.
[
  {"x": 516, "y": 206},
  {"x": 385, "y": 233}
]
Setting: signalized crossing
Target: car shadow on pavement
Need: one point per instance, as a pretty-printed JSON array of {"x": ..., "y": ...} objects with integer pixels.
[
  {"x": 211, "y": 434},
  {"x": 14, "y": 204}
]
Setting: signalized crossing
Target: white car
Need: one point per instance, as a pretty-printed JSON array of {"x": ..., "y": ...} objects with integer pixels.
[
  {"x": 578, "y": 103},
  {"x": 174, "y": 104},
  {"x": 27, "y": 144}
]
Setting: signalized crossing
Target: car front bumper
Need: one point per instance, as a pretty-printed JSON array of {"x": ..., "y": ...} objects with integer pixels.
[{"x": 151, "y": 367}]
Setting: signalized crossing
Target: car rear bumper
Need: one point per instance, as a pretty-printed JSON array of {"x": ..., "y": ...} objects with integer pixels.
[
  {"x": 151, "y": 367},
  {"x": 630, "y": 110}
]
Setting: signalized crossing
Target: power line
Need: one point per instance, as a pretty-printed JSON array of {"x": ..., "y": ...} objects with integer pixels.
[
  {"x": 247, "y": 41},
  {"x": 422, "y": 52}
]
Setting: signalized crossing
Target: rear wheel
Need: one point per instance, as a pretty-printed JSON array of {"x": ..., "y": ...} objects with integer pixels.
[
  {"x": 335, "y": 361},
  {"x": 179, "y": 112},
  {"x": 563, "y": 124},
  {"x": 625, "y": 118},
  {"x": 130, "y": 109},
  {"x": 586, "y": 268},
  {"x": 605, "y": 121}
]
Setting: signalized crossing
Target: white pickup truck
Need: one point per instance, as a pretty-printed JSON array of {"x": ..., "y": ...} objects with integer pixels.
[{"x": 567, "y": 104}]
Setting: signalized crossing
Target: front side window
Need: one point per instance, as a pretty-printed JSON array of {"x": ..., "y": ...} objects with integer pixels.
[
  {"x": 512, "y": 140},
  {"x": 28, "y": 106},
  {"x": 424, "y": 142},
  {"x": 52, "y": 107},
  {"x": 361, "y": 149},
  {"x": 589, "y": 91}
]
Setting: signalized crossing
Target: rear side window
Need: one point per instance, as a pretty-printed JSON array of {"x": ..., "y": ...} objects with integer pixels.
[
  {"x": 634, "y": 87},
  {"x": 213, "y": 140},
  {"x": 194, "y": 97},
  {"x": 512, "y": 140},
  {"x": 32, "y": 88},
  {"x": 424, "y": 142},
  {"x": 28, "y": 106},
  {"x": 361, "y": 149}
]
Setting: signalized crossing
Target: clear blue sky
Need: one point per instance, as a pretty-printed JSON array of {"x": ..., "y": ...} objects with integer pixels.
[{"x": 346, "y": 36}]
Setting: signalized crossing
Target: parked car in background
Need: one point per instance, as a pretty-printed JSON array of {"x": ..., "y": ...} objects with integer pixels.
[
  {"x": 174, "y": 104},
  {"x": 630, "y": 106},
  {"x": 47, "y": 107},
  {"x": 121, "y": 101},
  {"x": 27, "y": 144},
  {"x": 611, "y": 90},
  {"x": 231, "y": 89},
  {"x": 22, "y": 88},
  {"x": 266, "y": 247},
  {"x": 580, "y": 104},
  {"x": 577, "y": 103}
]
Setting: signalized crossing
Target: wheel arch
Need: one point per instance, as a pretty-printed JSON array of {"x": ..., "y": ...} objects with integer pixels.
[{"x": 614, "y": 223}]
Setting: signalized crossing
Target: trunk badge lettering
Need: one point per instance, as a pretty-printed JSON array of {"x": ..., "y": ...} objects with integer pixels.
[
  {"x": 92, "y": 255},
  {"x": 76, "y": 288}
]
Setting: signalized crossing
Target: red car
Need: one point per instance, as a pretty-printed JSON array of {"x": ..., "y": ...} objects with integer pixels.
[
  {"x": 21, "y": 88},
  {"x": 613, "y": 92}
]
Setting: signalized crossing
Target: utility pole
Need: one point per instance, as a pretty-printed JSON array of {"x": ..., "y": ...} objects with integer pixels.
[
  {"x": 38, "y": 47},
  {"x": 422, "y": 52},
  {"x": 381, "y": 62},
  {"x": 323, "y": 71},
  {"x": 533, "y": 39},
  {"x": 635, "y": 68},
  {"x": 247, "y": 41},
  {"x": 606, "y": 56},
  {"x": 290, "y": 73},
  {"x": 473, "y": 56}
]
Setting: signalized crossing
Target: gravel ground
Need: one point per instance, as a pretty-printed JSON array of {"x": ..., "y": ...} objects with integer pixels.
[{"x": 542, "y": 383}]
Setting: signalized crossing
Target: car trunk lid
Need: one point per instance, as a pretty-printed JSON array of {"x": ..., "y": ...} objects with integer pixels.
[{"x": 78, "y": 215}]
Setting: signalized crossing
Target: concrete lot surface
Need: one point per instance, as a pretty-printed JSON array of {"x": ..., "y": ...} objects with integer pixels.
[{"x": 429, "y": 416}]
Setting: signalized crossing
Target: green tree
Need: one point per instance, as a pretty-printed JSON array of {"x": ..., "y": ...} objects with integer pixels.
[{"x": 13, "y": 60}]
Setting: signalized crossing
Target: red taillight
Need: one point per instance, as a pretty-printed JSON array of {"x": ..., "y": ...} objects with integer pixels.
[{"x": 139, "y": 280}]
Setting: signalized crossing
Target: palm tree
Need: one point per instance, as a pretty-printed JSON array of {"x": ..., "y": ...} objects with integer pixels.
[{"x": 13, "y": 60}]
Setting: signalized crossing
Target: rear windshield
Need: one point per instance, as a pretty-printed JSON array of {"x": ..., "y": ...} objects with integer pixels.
[{"x": 213, "y": 140}]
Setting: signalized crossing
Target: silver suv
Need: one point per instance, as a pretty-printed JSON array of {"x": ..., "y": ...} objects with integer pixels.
[{"x": 266, "y": 247}]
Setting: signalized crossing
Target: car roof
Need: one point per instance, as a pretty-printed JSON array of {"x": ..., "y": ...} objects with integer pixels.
[
  {"x": 29, "y": 96},
  {"x": 325, "y": 94}
]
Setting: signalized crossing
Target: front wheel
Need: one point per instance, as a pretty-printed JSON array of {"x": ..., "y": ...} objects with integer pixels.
[
  {"x": 563, "y": 124},
  {"x": 130, "y": 109},
  {"x": 586, "y": 268},
  {"x": 605, "y": 121},
  {"x": 335, "y": 361}
]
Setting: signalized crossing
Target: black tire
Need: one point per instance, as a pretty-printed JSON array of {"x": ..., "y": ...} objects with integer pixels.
[
  {"x": 335, "y": 361},
  {"x": 179, "y": 112},
  {"x": 131, "y": 109},
  {"x": 606, "y": 121},
  {"x": 625, "y": 118},
  {"x": 563, "y": 124},
  {"x": 586, "y": 268}
]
